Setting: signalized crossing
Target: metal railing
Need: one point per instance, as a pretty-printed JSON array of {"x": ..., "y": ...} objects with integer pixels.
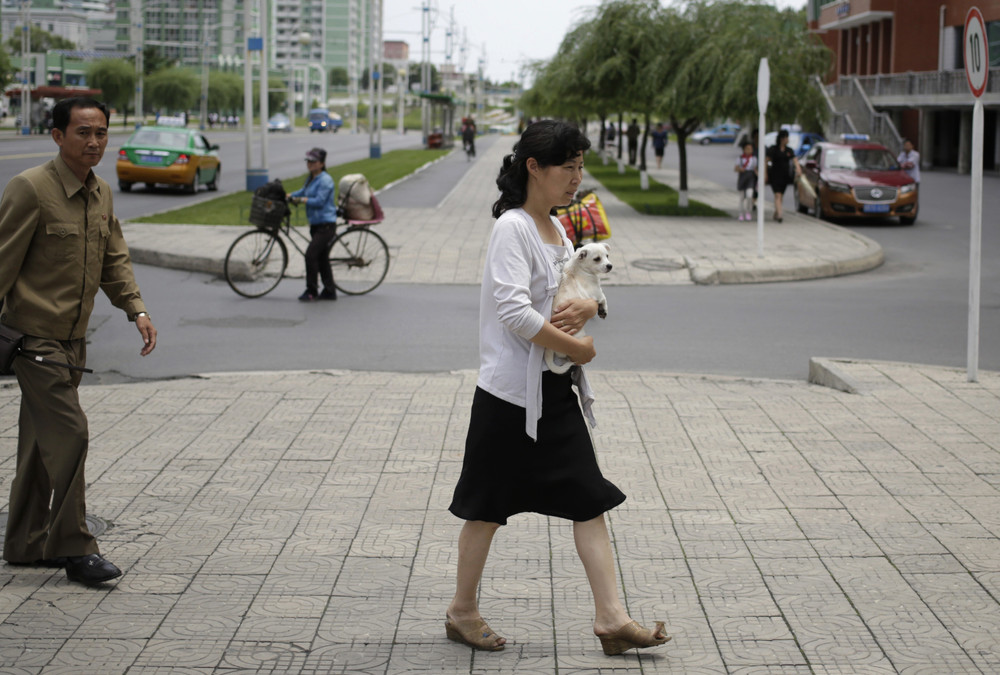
[
  {"x": 934, "y": 83},
  {"x": 840, "y": 122},
  {"x": 867, "y": 120}
]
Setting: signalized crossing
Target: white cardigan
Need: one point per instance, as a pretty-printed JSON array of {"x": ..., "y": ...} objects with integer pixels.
[{"x": 519, "y": 282}]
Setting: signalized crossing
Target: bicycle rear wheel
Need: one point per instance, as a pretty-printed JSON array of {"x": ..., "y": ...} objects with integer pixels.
[
  {"x": 359, "y": 259},
  {"x": 255, "y": 263}
]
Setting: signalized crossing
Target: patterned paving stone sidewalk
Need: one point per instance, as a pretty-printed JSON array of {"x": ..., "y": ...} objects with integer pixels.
[{"x": 297, "y": 523}]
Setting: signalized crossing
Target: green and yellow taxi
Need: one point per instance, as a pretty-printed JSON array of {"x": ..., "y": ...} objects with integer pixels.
[{"x": 168, "y": 154}]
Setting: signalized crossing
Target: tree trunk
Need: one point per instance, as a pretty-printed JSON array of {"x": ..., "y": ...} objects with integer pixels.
[
  {"x": 604, "y": 133},
  {"x": 619, "y": 134},
  {"x": 682, "y": 131}
]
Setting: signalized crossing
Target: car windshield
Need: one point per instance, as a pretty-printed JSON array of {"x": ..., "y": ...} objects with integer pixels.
[
  {"x": 318, "y": 116},
  {"x": 163, "y": 139},
  {"x": 857, "y": 159}
]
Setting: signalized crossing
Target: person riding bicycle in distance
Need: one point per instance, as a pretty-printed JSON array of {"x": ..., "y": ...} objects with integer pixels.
[{"x": 318, "y": 196}]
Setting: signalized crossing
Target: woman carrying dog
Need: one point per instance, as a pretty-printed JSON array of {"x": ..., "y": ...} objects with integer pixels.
[{"x": 528, "y": 447}]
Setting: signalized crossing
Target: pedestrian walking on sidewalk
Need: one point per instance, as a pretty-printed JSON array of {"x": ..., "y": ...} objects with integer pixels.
[
  {"x": 318, "y": 194},
  {"x": 746, "y": 167},
  {"x": 632, "y": 133},
  {"x": 781, "y": 171},
  {"x": 60, "y": 242},
  {"x": 659, "y": 143},
  {"x": 528, "y": 448}
]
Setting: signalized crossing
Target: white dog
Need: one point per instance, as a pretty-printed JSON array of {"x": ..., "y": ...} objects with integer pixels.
[{"x": 581, "y": 279}]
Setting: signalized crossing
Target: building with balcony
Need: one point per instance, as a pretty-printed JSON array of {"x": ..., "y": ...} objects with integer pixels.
[{"x": 898, "y": 72}]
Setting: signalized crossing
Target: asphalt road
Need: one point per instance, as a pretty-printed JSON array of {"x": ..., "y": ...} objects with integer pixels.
[
  {"x": 911, "y": 309},
  {"x": 286, "y": 157}
]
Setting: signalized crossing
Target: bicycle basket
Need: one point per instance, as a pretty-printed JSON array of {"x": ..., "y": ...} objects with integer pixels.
[{"x": 267, "y": 213}]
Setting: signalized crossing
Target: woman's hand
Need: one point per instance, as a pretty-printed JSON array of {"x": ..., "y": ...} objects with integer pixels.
[
  {"x": 573, "y": 314},
  {"x": 585, "y": 353}
]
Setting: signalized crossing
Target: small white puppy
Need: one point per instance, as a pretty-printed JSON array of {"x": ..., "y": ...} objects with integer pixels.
[{"x": 581, "y": 279}]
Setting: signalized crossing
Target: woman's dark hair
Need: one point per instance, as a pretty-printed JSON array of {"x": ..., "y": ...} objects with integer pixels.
[
  {"x": 551, "y": 143},
  {"x": 61, "y": 111},
  {"x": 783, "y": 134}
]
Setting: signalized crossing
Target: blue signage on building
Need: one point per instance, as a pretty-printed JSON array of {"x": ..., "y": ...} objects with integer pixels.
[{"x": 255, "y": 44}]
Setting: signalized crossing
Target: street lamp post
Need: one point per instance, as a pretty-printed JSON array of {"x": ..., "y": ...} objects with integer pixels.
[{"x": 25, "y": 68}]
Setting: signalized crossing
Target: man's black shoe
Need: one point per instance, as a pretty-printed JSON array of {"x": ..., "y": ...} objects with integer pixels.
[
  {"x": 45, "y": 562},
  {"x": 90, "y": 569}
]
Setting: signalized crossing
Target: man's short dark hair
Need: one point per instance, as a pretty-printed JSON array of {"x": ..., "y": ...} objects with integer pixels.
[{"x": 62, "y": 110}]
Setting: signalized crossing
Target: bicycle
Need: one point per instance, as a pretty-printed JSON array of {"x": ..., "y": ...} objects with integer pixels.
[{"x": 257, "y": 260}]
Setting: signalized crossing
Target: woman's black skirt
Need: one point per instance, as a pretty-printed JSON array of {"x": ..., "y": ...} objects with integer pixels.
[{"x": 505, "y": 472}]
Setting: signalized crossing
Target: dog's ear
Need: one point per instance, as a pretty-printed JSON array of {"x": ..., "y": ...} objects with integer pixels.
[{"x": 581, "y": 254}]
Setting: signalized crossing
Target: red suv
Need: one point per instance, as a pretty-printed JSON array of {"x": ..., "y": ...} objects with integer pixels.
[{"x": 855, "y": 180}]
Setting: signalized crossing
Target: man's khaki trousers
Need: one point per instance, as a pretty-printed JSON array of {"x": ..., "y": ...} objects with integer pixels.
[{"x": 47, "y": 511}]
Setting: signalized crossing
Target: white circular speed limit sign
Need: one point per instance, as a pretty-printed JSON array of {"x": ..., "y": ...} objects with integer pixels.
[{"x": 977, "y": 58}]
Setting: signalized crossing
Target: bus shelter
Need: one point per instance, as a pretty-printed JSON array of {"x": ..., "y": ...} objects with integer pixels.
[{"x": 439, "y": 123}]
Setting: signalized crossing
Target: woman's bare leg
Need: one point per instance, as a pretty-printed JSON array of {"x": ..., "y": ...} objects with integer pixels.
[
  {"x": 473, "y": 549},
  {"x": 593, "y": 544}
]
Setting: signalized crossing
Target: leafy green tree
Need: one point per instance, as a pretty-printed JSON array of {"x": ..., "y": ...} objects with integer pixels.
[
  {"x": 7, "y": 71},
  {"x": 153, "y": 61},
  {"x": 41, "y": 41},
  {"x": 415, "y": 76},
  {"x": 338, "y": 77},
  {"x": 225, "y": 91},
  {"x": 275, "y": 95},
  {"x": 710, "y": 69},
  {"x": 172, "y": 89},
  {"x": 116, "y": 80}
]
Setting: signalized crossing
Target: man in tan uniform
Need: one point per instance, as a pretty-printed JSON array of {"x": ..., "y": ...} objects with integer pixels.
[{"x": 59, "y": 243}]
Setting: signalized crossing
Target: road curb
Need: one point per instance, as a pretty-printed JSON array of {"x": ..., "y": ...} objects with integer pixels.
[
  {"x": 872, "y": 257},
  {"x": 826, "y": 373}
]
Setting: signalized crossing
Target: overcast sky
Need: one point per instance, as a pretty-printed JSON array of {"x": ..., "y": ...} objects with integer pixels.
[{"x": 510, "y": 32}]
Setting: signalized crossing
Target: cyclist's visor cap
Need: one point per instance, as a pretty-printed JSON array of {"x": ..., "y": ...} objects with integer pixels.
[{"x": 316, "y": 155}]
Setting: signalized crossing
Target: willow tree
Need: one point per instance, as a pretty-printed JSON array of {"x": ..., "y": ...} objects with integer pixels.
[
  {"x": 172, "y": 89},
  {"x": 116, "y": 80},
  {"x": 710, "y": 68}
]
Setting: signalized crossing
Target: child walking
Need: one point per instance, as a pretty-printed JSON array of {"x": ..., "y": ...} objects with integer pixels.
[{"x": 746, "y": 167}]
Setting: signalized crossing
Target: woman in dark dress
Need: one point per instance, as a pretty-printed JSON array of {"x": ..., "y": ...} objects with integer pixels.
[
  {"x": 782, "y": 168},
  {"x": 528, "y": 447}
]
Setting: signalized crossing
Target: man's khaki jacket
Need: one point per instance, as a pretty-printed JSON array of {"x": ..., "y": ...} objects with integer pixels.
[{"x": 59, "y": 243}]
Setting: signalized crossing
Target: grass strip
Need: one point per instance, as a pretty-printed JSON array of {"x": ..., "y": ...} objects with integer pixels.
[
  {"x": 234, "y": 209},
  {"x": 658, "y": 200}
]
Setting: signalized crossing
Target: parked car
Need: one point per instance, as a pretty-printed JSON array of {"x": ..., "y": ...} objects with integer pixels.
[
  {"x": 857, "y": 179},
  {"x": 170, "y": 156},
  {"x": 279, "y": 122},
  {"x": 724, "y": 133},
  {"x": 321, "y": 119},
  {"x": 799, "y": 141}
]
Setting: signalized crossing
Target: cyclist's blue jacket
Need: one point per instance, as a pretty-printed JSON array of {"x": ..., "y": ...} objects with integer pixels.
[{"x": 319, "y": 192}]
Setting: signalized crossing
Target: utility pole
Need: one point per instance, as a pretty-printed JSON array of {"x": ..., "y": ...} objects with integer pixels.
[
  {"x": 25, "y": 68},
  {"x": 375, "y": 80},
  {"x": 136, "y": 11},
  {"x": 425, "y": 69}
]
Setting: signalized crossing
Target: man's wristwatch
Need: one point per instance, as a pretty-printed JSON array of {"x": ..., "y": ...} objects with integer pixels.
[{"x": 138, "y": 314}]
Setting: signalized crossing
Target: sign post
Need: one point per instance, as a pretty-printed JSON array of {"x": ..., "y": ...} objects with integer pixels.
[
  {"x": 763, "y": 95},
  {"x": 977, "y": 63}
]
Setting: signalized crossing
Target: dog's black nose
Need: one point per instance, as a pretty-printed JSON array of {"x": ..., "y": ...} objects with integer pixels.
[{"x": 610, "y": 267}]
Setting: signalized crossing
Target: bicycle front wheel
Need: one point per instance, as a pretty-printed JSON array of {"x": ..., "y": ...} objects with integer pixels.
[
  {"x": 359, "y": 259},
  {"x": 255, "y": 263}
]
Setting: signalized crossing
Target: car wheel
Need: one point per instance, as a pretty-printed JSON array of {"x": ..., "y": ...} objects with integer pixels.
[
  {"x": 818, "y": 207},
  {"x": 192, "y": 187},
  {"x": 213, "y": 184},
  {"x": 124, "y": 186},
  {"x": 907, "y": 220},
  {"x": 705, "y": 141}
]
